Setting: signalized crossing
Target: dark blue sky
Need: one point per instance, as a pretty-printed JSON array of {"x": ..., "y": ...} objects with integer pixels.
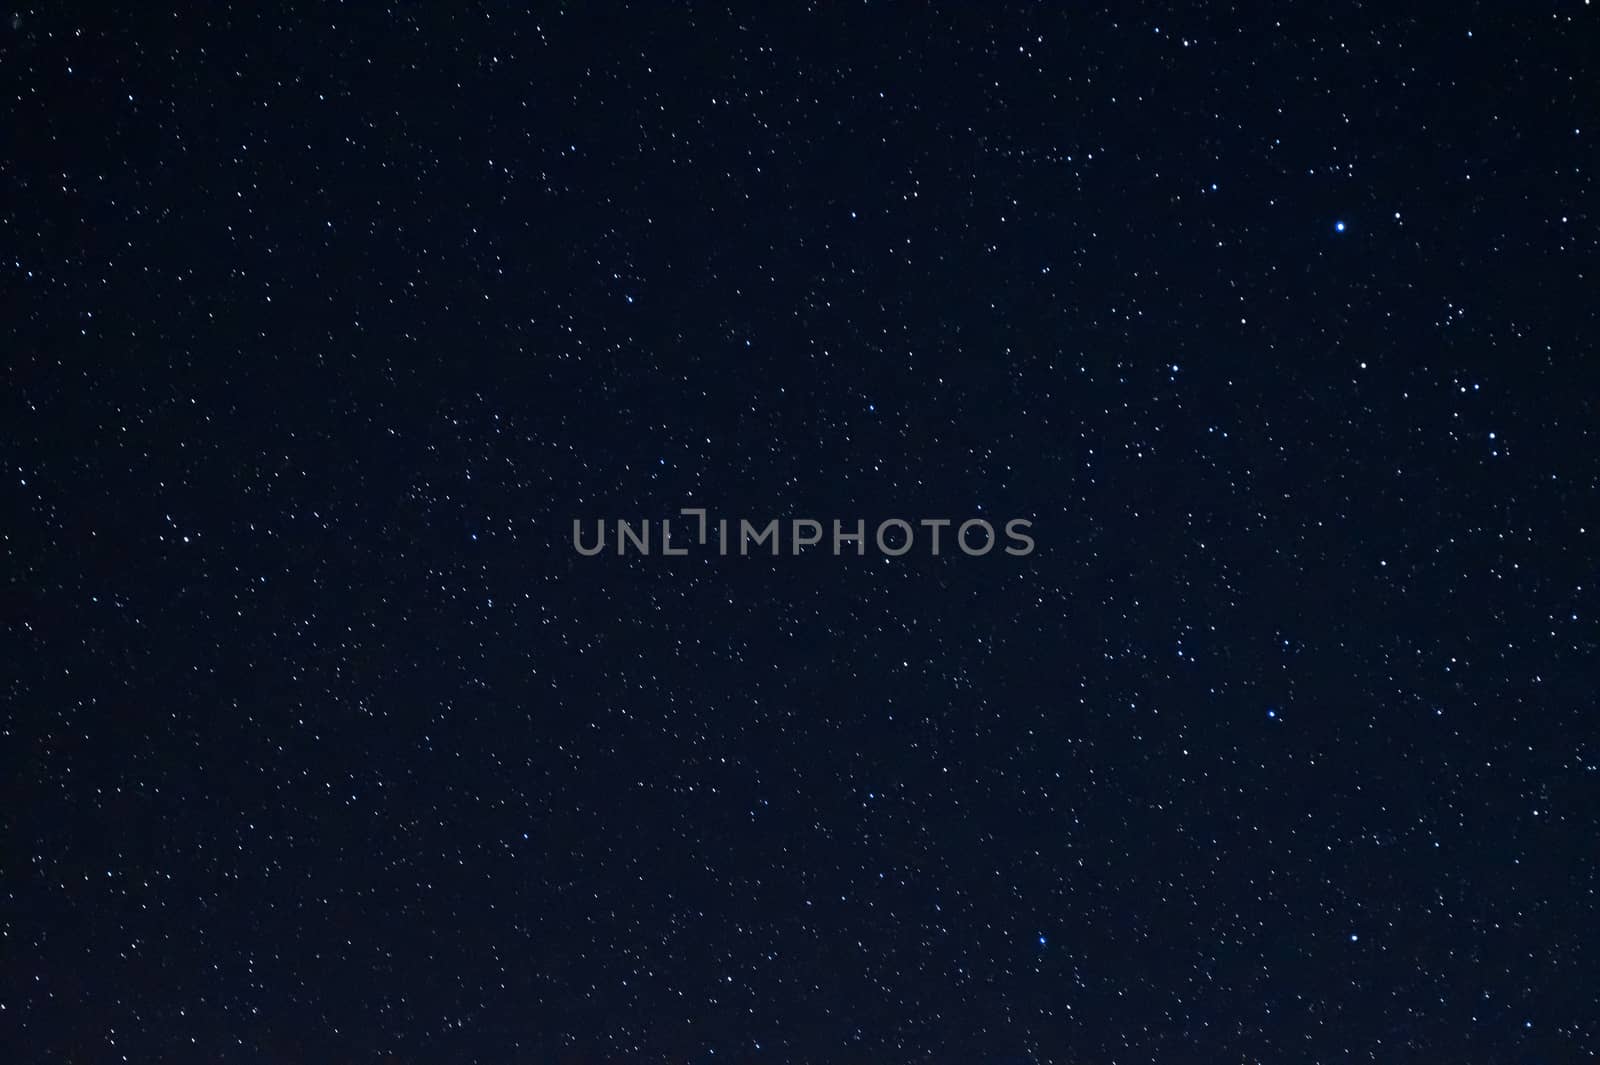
[{"x": 324, "y": 323}]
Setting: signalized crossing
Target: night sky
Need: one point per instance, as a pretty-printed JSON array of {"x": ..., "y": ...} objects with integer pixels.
[{"x": 322, "y": 743}]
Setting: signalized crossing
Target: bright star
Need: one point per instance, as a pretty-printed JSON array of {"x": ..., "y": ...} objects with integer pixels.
[{"x": 1338, "y": 227}]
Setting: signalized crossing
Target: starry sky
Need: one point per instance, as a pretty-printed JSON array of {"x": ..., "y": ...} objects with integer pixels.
[{"x": 323, "y": 323}]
